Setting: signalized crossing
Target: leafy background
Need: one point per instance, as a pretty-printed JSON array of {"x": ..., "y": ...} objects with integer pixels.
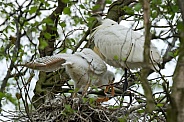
[{"x": 36, "y": 28}]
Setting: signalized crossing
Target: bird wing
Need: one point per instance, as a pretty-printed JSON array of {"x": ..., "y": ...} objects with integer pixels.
[
  {"x": 118, "y": 43},
  {"x": 96, "y": 64},
  {"x": 48, "y": 63},
  {"x": 115, "y": 40}
]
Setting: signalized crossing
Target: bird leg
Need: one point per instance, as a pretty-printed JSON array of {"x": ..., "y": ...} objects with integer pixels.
[
  {"x": 74, "y": 94},
  {"x": 104, "y": 99},
  {"x": 86, "y": 88},
  {"x": 125, "y": 85},
  {"x": 101, "y": 99},
  {"x": 110, "y": 87}
]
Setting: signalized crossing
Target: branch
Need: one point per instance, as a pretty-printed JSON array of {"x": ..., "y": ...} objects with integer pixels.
[
  {"x": 167, "y": 57},
  {"x": 133, "y": 108},
  {"x": 15, "y": 54},
  {"x": 177, "y": 99},
  {"x": 100, "y": 10},
  {"x": 115, "y": 10},
  {"x": 43, "y": 78},
  {"x": 145, "y": 71}
]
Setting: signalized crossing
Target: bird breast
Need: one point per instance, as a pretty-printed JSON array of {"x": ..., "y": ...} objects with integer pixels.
[
  {"x": 77, "y": 68},
  {"x": 80, "y": 72}
]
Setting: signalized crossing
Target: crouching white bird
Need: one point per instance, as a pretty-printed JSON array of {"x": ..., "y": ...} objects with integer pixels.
[
  {"x": 86, "y": 68},
  {"x": 122, "y": 47}
]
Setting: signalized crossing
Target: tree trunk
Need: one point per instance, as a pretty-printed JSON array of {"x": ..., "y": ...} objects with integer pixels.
[{"x": 176, "y": 110}]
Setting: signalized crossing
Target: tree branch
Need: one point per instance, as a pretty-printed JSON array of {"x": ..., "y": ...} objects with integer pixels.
[
  {"x": 177, "y": 99},
  {"x": 15, "y": 54},
  {"x": 145, "y": 70},
  {"x": 48, "y": 50},
  {"x": 115, "y": 10}
]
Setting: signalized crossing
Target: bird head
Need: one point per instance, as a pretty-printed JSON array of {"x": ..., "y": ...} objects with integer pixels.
[
  {"x": 104, "y": 24},
  {"x": 108, "y": 22},
  {"x": 108, "y": 78}
]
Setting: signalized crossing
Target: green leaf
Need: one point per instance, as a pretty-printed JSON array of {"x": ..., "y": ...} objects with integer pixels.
[
  {"x": 96, "y": 7},
  {"x": 171, "y": 54},
  {"x": 122, "y": 120},
  {"x": 128, "y": 10},
  {"x": 62, "y": 24},
  {"x": 116, "y": 57},
  {"x": 47, "y": 35},
  {"x": 92, "y": 100},
  {"x": 154, "y": 14},
  {"x": 8, "y": 97},
  {"x": 108, "y": 1},
  {"x": 180, "y": 25},
  {"x": 67, "y": 107},
  {"x": 33, "y": 10},
  {"x": 2, "y": 95},
  {"x": 175, "y": 8},
  {"x": 138, "y": 7},
  {"x": 47, "y": 20},
  {"x": 70, "y": 91},
  {"x": 84, "y": 100},
  {"x": 157, "y": 2},
  {"x": 160, "y": 104},
  {"x": 65, "y": 1},
  {"x": 11, "y": 28},
  {"x": 81, "y": 6},
  {"x": 141, "y": 111},
  {"x": 43, "y": 44},
  {"x": 67, "y": 11},
  {"x": 47, "y": 4}
]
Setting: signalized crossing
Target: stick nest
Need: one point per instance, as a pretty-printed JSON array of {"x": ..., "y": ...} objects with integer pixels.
[{"x": 76, "y": 110}]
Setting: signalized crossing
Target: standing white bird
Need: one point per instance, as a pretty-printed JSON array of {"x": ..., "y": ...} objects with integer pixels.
[
  {"x": 85, "y": 68},
  {"x": 122, "y": 47}
]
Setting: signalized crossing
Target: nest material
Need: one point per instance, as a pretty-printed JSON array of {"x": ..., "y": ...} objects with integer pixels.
[
  {"x": 68, "y": 110},
  {"x": 65, "y": 109}
]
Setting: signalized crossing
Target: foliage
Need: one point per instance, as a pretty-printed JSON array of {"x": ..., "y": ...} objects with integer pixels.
[{"x": 30, "y": 29}]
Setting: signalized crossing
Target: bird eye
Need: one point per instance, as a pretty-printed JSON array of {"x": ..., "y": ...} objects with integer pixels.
[{"x": 113, "y": 79}]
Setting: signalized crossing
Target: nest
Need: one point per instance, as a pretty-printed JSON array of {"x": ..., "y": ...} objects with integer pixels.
[
  {"x": 76, "y": 110},
  {"x": 66, "y": 109}
]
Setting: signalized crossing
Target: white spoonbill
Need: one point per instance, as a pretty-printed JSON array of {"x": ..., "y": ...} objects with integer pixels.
[
  {"x": 86, "y": 68},
  {"x": 121, "y": 47}
]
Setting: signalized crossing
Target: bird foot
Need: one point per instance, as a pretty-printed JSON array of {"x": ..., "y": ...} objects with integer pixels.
[
  {"x": 102, "y": 99},
  {"x": 105, "y": 99},
  {"x": 111, "y": 89}
]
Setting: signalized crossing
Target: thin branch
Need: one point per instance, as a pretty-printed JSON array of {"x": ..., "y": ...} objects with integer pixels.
[
  {"x": 15, "y": 53},
  {"x": 144, "y": 71}
]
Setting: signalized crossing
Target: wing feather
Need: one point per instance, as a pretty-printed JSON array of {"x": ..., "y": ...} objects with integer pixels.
[
  {"x": 96, "y": 64},
  {"x": 47, "y": 64},
  {"x": 120, "y": 44}
]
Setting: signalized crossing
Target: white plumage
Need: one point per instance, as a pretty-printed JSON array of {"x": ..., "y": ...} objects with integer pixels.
[
  {"x": 122, "y": 47},
  {"x": 83, "y": 67}
]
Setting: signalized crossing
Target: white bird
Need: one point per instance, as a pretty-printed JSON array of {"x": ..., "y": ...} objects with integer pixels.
[
  {"x": 86, "y": 68},
  {"x": 119, "y": 46}
]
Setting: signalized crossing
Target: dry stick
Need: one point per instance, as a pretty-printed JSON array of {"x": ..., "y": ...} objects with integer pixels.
[
  {"x": 26, "y": 106},
  {"x": 133, "y": 108},
  {"x": 81, "y": 117}
]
